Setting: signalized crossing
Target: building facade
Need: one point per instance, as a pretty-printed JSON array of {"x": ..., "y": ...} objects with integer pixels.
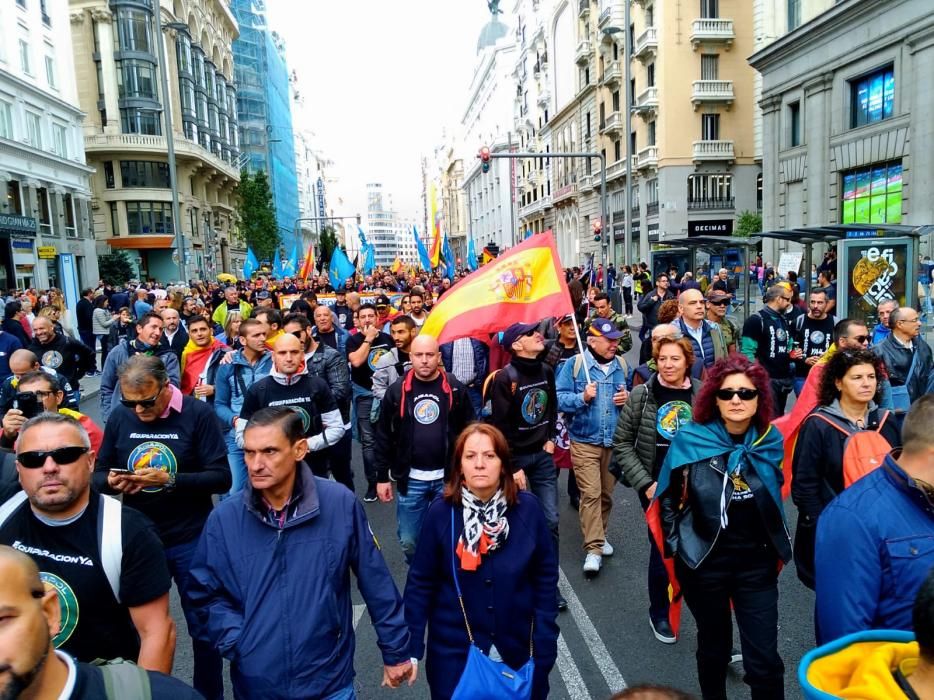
[
  {"x": 264, "y": 99},
  {"x": 846, "y": 101},
  {"x": 129, "y": 116},
  {"x": 382, "y": 226},
  {"x": 46, "y": 234}
]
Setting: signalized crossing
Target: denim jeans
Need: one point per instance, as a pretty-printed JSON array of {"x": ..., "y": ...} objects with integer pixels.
[
  {"x": 476, "y": 398},
  {"x": 343, "y": 694},
  {"x": 239, "y": 479},
  {"x": 542, "y": 478},
  {"x": 799, "y": 385},
  {"x": 410, "y": 511},
  {"x": 363, "y": 402},
  {"x": 209, "y": 667}
]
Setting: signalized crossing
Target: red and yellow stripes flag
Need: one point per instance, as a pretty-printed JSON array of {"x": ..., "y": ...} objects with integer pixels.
[
  {"x": 396, "y": 265},
  {"x": 308, "y": 263},
  {"x": 523, "y": 285},
  {"x": 434, "y": 253}
]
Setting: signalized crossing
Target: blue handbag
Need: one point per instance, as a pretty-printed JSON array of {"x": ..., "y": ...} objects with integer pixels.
[
  {"x": 901, "y": 401},
  {"x": 483, "y": 678}
]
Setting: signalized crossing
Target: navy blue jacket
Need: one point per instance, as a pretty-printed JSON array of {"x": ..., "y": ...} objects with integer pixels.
[
  {"x": 276, "y": 601},
  {"x": 874, "y": 549},
  {"x": 511, "y": 588}
]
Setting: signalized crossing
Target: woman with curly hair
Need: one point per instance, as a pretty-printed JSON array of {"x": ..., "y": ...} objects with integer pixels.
[
  {"x": 846, "y": 403},
  {"x": 719, "y": 493}
]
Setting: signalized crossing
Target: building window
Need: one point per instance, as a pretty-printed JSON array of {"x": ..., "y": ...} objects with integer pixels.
[
  {"x": 144, "y": 173},
  {"x": 709, "y": 9},
  {"x": 794, "y": 14},
  {"x": 710, "y": 127},
  {"x": 68, "y": 210},
  {"x": 615, "y": 97},
  {"x": 759, "y": 192},
  {"x": 133, "y": 30},
  {"x": 138, "y": 121},
  {"x": 60, "y": 140},
  {"x": 45, "y": 210},
  {"x": 46, "y": 20},
  {"x": 650, "y": 75},
  {"x": 794, "y": 124},
  {"x": 114, "y": 227},
  {"x": 651, "y": 137},
  {"x": 617, "y": 151},
  {"x": 109, "y": 174},
  {"x": 50, "y": 71},
  {"x": 33, "y": 129},
  {"x": 651, "y": 191},
  {"x": 6, "y": 120},
  {"x": 710, "y": 67},
  {"x": 148, "y": 218},
  {"x": 873, "y": 195},
  {"x": 14, "y": 198},
  {"x": 872, "y": 97},
  {"x": 24, "y": 61},
  {"x": 587, "y": 125},
  {"x": 713, "y": 191},
  {"x": 136, "y": 78}
]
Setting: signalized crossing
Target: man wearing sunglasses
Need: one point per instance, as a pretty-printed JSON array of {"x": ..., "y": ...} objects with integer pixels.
[
  {"x": 42, "y": 392},
  {"x": 718, "y": 303},
  {"x": 907, "y": 358},
  {"x": 767, "y": 340},
  {"x": 113, "y": 593},
  {"x": 165, "y": 453}
]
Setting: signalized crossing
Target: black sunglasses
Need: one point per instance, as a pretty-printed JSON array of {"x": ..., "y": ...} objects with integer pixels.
[
  {"x": 861, "y": 339},
  {"x": 145, "y": 403},
  {"x": 725, "y": 302},
  {"x": 744, "y": 394},
  {"x": 60, "y": 455},
  {"x": 298, "y": 334}
]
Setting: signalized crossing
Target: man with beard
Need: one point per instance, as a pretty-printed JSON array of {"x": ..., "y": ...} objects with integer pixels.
[
  {"x": 31, "y": 667},
  {"x": 417, "y": 310},
  {"x": 232, "y": 302},
  {"x": 813, "y": 335},
  {"x": 394, "y": 363},
  {"x": 113, "y": 587},
  {"x": 200, "y": 360},
  {"x": 71, "y": 358},
  {"x": 174, "y": 337}
]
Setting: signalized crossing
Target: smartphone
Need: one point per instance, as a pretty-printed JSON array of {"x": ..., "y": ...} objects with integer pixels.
[
  {"x": 28, "y": 403},
  {"x": 121, "y": 471}
]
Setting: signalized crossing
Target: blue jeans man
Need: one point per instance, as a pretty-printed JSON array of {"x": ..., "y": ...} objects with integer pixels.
[{"x": 410, "y": 511}]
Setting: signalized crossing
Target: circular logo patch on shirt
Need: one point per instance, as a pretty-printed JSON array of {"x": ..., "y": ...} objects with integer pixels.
[
  {"x": 534, "y": 406},
  {"x": 781, "y": 335},
  {"x": 375, "y": 355},
  {"x": 671, "y": 417},
  {"x": 303, "y": 414},
  {"x": 152, "y": 455},
  {"x": 68, "y": 603},
  {"x": 817, "y": 337},
  {"x": 427, "y": 411},
  {"x": 52, "y": 358}
]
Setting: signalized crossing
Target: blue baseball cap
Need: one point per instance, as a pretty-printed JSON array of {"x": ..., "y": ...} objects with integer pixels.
[{"x": 604, "y": 328}]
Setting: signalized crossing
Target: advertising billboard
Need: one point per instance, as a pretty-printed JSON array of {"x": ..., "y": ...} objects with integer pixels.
[{"x": 876, "y": 271}]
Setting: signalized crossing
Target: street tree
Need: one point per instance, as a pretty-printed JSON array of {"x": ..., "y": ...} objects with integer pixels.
[
  {"x": 257, "y": 214},
  {"x": 115, "y": 268},
  {"x": 328, "y": 243},
  {"x": 748, "y": 224}
]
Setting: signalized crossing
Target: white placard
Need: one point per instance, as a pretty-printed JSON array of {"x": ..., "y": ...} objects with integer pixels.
[{"x": 790, "y": 262}]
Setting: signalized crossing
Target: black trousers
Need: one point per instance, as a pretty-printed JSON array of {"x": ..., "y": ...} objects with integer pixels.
[
  {"x": 627, "y": 300},
  {"x": 336, "y": 460},
  {"x": 780, "y": 390},
  {"x": 749, "y": 578}
]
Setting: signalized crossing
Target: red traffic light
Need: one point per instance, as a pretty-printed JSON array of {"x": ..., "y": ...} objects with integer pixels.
[{"x": 484, "y": 156}]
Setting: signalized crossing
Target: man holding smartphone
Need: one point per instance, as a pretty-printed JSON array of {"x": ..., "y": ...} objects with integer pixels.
[{"x": 175, "y": 453}]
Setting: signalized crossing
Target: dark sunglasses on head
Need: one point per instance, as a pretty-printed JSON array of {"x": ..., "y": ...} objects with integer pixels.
[
  {"x": 145, "y": 403},
  {"x": 529, "y": 334},
  {"x": 743, "y": 394},
  {"x": 60, "y": 455}
]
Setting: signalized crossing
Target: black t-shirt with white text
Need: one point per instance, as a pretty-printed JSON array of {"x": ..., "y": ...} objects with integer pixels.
[
  {"x": 189, "y": 445},
  {"x": 308, "y": 396},
  {"x": 813, "y": 337},
  {"x": 770, "y": 331},
  {"x": 94, "y": 625},
  {"x": 430, "y": 409},
  {"x": 362, "y": 376}
]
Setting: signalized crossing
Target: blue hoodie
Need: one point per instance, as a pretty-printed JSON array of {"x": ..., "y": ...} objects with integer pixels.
[{"x": 233, "y": 380}]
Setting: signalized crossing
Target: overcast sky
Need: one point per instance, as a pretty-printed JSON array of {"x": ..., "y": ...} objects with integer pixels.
[{"x": 381, "y": 79}]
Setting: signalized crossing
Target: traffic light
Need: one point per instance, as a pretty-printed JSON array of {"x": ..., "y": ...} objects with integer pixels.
[
  {"x": 484, "y": 156},
  {"x": 597, "y": 226}
]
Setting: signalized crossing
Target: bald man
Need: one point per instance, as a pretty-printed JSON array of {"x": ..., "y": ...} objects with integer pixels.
[
  {"x": 420, "y": 417},
  {"x": 290, "y": 384},
  {"x": 30, "y": 666},
  {"x": 706, "y": 336}
]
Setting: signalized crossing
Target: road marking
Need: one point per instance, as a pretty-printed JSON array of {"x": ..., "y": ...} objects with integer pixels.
[
  {"x": 570, "y": 674},
  {"x": 357, "y": 614},
  {"x": 614, "y": 679}
]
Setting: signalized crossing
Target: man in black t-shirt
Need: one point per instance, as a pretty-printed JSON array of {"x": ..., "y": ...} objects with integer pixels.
[
  {"x": 813, "y": 336},
  {"x": 422, "y": 414},
  {"x": 113, "y": 592},
  {"x": 165, "y": 453},
  {"x": 289, "y": 384},
  {"x": 767, "y": 340},
  {"x": 34, "y": 668},
  {"x": 364, "y": 349}
]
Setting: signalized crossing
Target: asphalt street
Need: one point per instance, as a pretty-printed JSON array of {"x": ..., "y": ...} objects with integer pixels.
[{"x": 606, "y": 643}]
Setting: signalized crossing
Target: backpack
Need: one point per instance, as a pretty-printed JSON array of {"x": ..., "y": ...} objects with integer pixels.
[
  {"x": 484, "y": 392},
  {"x": 579, "y": 365},
  {"x": 124, "y": 680},
  {"x": 863, "y": 450},
  {"x": 109, "y": 534}
]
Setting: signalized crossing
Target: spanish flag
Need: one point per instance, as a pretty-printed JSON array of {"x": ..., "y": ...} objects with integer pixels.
[
  {"x": 396, "y": 265},
  {"x": 524, "y": 284},
  {"x": 434, "y": 255},
  {"x": 308, "y": 263},
  {"x": 487, "y": 256}
]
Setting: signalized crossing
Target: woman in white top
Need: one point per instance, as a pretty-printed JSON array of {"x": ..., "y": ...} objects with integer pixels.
[{"x": 626, "y": 284}]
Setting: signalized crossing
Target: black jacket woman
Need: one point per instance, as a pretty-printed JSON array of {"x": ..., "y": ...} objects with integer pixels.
[
  {"x": 647, "y": 423},
  {"x": 719, "y": 494},
  {"x": 496, "y": 539},
  {"x": 846, "y": 403}
]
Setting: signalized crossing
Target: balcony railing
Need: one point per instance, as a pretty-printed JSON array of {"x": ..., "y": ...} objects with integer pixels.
[
  {"x": 613, "y": 124},
  {"x": 647, "y": 100},
  {"x": 648, "y": 157},
  {"x": 712, "y": 30},
  {"x": 582, "y": 55},
  {"x": 712, "y": 92},
  {"x": 583, "y": 8},
  {"x": 183, "y": 149},
  {"x": 613, "y": 74},
  {"x": 651, "y": 209},
  {"x": 713, "y": 150},
  {"x": 646, "y": 43},
  {"x": 586, "y": 183},
  {"x": 612, "y": 16},
  {"x": 718, "y": 203}
]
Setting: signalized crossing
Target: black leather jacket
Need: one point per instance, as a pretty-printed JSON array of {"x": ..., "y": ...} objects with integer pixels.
[{"x": 690, "y": 512}]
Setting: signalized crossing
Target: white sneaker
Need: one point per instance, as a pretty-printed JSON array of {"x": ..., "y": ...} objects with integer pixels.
[
  {"x": 592, "y": 564},
  {"x": 607, "y": 549}
]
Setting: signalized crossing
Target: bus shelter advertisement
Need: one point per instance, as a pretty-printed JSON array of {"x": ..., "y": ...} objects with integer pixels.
[{"x": 877, "y": 271}]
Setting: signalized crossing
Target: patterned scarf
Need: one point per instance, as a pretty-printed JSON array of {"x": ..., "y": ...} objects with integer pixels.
[{"x": 485, "y": 527}]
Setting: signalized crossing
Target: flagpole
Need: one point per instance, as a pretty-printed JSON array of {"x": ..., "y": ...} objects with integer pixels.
[{"x": 580, "y": 346}]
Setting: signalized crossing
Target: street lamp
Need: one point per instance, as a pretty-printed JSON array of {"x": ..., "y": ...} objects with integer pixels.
[{"x": 627, "y": 102}]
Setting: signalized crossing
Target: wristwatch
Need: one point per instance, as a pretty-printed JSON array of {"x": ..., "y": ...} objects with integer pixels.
[{"x": 170, "y": 484}]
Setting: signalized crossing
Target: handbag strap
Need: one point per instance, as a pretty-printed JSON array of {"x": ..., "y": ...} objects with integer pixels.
[
  {"x": 911, "y": 370},
  {"x": 460, "y": 596}
]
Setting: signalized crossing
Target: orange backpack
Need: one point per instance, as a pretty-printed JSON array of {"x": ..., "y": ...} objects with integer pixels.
[{"x": 863, "y": 450}]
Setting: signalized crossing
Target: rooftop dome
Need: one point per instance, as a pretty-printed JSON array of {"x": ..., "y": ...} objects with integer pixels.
[{"x": 491, "y": 34}]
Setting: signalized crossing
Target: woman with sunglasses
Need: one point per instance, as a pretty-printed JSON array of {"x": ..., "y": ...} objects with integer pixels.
[
  {"x": 719, "y": 493},
  {"x": 648, "y": 421},
  {"x": 847, "y": 399}
]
